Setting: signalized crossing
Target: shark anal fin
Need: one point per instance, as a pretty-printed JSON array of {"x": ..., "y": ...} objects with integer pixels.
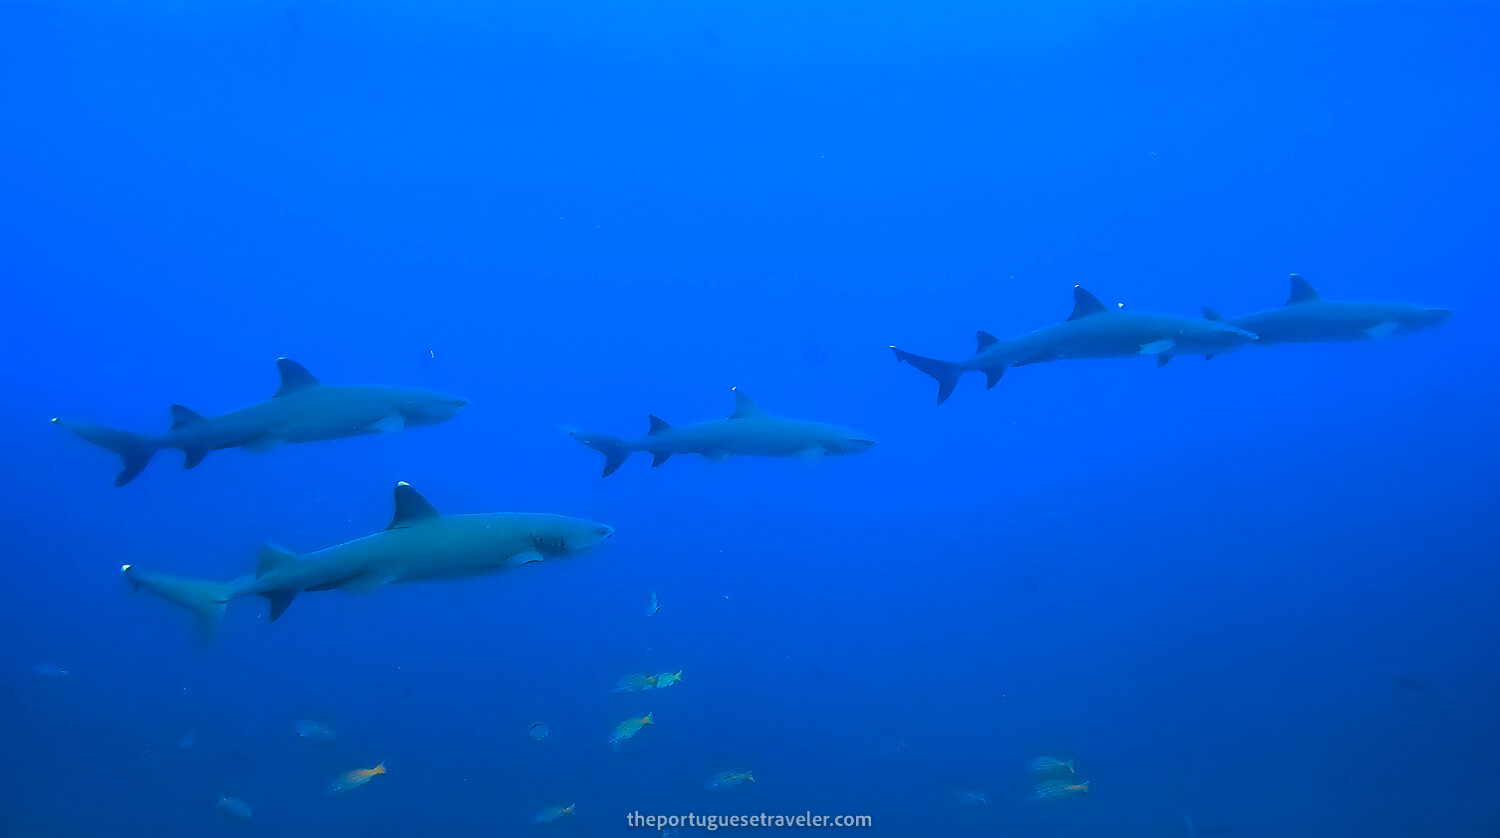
[
  {"x": 659, "y": 457},
  {"x": 1085, "y": 304},
  {"x": 410, "y": 507},
  {"x": 744, "y": 406},
  {"x": 294, "y": 377},
  {"x": 193, "y": 456},
  {"x": 184, "y": 416},
  {"x": 332, "y": 586},
  {"x": 261, "y": 444},
  {"x": 366, "y": 582},
  {"x": 657, "y": 426},
  {"x": 1038, "y": 359},
  {"x": 280, "y": 599},
  {"x": 992, "y": 376},
  {"x": 1302, "y": 291}
]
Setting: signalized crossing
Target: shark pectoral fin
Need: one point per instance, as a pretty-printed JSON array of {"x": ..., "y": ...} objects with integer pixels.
[
  {"x": 280, "y": 600},
  {"x": 1156, "y": 347},
  {"x": 1163, "y": 359},
  {"x": 1208, "y": 357},
  {"x": 659, "y": 457},
  {"x": 1382, "y": 330},
  {"x": 389, "y": 425},
  {"x": 527, "y": 557},
  {"x": 193, "y": 456},
  {"x": 261, "y": 444}
]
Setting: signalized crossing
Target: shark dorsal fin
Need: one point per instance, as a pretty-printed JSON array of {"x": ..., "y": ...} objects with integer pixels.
[
  {"x": 1302, "y": 291},
  {"x": 294, "y": 377},
  {"x": 411, "y": 507},
  {"x": 744, "y": 406},
  {"x": 984, "y": 340},
  {"x": 184, "y": 416},
  {"x": 1085, "y": 304},
  {"x": 273, "y": 558},
  {"x": 1210, "y": 314},
  {"x": 657, "y": 426}
]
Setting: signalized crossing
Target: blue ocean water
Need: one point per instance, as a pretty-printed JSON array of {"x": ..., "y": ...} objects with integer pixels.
[{"x": 1248, "y": 597}]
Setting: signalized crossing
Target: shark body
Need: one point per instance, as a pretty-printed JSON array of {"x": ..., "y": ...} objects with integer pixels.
[
  {"x": 748, "y": 432},
  {"x": 1308, "y": 318},
  {"x": 419, "y": 544},
  {"x": 1091, "y": 331},
  {"x": 303, "y": 410}
]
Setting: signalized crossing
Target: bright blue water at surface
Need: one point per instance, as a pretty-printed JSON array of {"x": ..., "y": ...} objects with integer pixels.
[{"x": 1251, "y": 597}]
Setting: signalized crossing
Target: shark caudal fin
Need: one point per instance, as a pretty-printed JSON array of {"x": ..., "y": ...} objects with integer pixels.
[
  {"x": 947, "y": 373},
  {"x": 614, "y": 449},
  {"x": 135, "y": 450},
  {"x": 207, "y": 600}
]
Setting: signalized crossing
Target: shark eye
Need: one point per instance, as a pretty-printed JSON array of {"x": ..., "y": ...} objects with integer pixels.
[{"x": 547, "y": 546}]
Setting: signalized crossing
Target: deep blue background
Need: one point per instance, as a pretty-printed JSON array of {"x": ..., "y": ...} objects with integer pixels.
[{"x": 1258, "y": 592}]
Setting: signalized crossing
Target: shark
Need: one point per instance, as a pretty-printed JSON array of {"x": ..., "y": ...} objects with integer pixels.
[
  {"x": 302, "y": 410},
  {"x": 749, "y": 431},
  {"x": 419, "y": 544},
  {"x": 1092, "y": 330},
  {"x": 1308, "y": 318}
]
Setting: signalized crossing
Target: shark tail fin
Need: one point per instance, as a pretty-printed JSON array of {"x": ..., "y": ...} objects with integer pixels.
[
  {"x": 614, "y": 449},
  {"x": 947, "y": 373},
  {"x": 135, "y": 450},
  {"x": 207, "y": 600}
]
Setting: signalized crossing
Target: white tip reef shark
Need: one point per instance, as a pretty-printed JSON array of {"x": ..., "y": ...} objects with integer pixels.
[
  {"x": 1308, "y": 318},
  {"x": 303, "y": 410},
  {"x": 1091, "y": 331},
  {"x": 749, "y": 431},
  {"x": 419, "y": 544}
]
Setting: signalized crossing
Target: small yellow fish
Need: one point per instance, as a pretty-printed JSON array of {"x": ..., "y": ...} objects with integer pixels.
[
  {"x": 354, "y": 779},
  {"x": 629, "y": 728},
  {"x": 667, "y": 679},
  {"x": 1051, "y": 765},
  {"x": 731, "y": 778},
  {"x": 635, "y": 684},
  {"x": 1060, "y": 788},
  {"x": 556, "y": 812}
]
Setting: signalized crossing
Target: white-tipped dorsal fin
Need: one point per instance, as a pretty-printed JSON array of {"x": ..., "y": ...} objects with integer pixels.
[
  {"x": 411, "y": 507},
  {"x": 744, "y": 406},
  {"x": 294, "y": 377},
  {"x": 272, "y": 559},
  {"x": 1085, "y": 304},
  {"x": 184, "y": 416},
  {"x": 1302, "y": 291}
]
